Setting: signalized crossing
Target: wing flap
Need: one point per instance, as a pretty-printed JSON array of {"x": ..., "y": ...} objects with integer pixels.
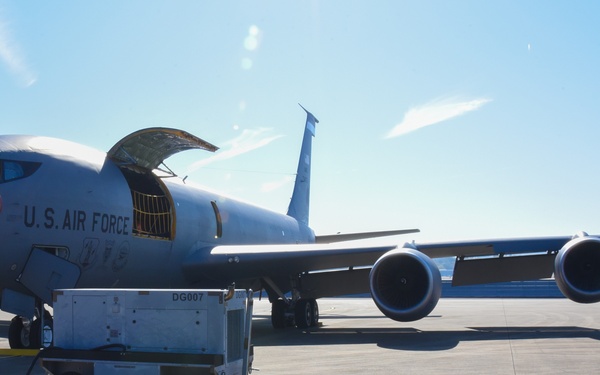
[
  {"x": 336, "y": 283},
  {"x": 503, "y": 269}
]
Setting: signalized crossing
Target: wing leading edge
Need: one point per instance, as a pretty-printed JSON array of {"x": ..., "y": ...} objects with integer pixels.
[{"x": 257, "y": 261}]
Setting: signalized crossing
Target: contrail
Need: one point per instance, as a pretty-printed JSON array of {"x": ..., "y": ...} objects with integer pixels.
[{"x": 434, "y": 112}]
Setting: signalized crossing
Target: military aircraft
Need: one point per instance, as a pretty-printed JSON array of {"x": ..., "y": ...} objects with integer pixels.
[{"x": 75, "y": 217}]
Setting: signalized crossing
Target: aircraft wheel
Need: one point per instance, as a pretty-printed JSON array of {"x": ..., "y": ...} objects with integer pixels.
[
  {"x": 19, "y": 336},
  {"x": 45, "y": 333},
  {"x": 304, "y": 313},
  {"x": 278, "y": 319},
  {"x": 315, "y": 313}
]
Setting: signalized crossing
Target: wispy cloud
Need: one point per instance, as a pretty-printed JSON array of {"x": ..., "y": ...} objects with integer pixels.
[
  {"x": 434, "y": 112},
  {"x": 248, "y": 140},
  {"x": 11, "y": 55}
]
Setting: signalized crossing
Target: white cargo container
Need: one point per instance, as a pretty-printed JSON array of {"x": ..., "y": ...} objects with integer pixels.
[{"x": 150, "y": 331}]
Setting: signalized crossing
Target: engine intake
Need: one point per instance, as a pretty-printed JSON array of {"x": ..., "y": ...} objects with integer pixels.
[
  {"x": 577, "y": 269},
  {"x": 405, "y": 284}
]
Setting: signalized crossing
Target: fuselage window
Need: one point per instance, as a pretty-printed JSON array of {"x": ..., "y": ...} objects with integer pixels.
[{"x": 11, "y": 170}]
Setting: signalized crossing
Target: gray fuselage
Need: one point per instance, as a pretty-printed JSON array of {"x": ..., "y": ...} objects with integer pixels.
[{"x": 123, "y": 227}]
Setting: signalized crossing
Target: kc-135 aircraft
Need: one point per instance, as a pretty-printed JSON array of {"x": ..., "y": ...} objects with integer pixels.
[{"x": 74, "y": 217}]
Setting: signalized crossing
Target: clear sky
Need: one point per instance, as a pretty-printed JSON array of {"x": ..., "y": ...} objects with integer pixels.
[{"x": 466, "y": 119}]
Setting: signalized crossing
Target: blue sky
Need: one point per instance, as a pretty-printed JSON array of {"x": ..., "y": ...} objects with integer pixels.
[{"x": 466, "y": 119}]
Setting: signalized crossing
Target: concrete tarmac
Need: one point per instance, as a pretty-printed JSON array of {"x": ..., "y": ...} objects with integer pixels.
[{"x": 461, "y": 336}]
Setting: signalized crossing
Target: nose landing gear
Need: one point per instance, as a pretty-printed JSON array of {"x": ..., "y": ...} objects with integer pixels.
[
  {"x": 19, "y": 333},
  {"x": 24, "y": 333}
]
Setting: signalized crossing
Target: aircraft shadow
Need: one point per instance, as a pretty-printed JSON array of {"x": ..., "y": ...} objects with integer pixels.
[{"x": 409, "y": 339}]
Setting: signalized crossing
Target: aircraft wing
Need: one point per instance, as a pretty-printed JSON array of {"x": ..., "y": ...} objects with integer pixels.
[
  {"x": 250, "y": 261},
  {"x": 341, "y": 237},
  {"x": 478, "y": 261},
  {"x": 498, "y": 260},
  {"x": 491, "y": 246}
]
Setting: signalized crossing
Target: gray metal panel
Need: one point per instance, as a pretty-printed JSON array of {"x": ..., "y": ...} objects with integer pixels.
[
  {"x": 501, "y": 269},
  {"x": 147, "y": 148},
  {"x": 45, "y": 272},
  {"x": 17, "y": 303},
  {"x": 87, "y": 324}
]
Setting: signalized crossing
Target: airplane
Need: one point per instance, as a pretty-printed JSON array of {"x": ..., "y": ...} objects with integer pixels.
[{"x": 75, "y": 217}]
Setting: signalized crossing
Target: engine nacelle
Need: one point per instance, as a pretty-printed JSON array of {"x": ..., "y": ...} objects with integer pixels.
[
  {"x": 577, "y": 269},
  {"x": 405, "y": 284}
]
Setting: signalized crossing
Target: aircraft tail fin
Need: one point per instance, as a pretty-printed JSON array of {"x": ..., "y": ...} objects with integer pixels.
[{"x": 299, "y": 204}]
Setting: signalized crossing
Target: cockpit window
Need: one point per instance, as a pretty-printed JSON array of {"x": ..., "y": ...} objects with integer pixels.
[{"x": 13, "y": 170}]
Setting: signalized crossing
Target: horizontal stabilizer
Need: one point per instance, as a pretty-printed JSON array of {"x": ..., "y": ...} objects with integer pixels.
[{"x": 361, "y": 236}]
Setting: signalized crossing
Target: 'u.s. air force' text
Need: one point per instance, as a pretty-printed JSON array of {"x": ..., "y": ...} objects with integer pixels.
[{"x": 75, "y": 220}]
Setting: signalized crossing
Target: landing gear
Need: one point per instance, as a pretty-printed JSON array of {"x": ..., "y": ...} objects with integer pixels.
[
  {"x": 304, "y": 313},
  {"x": 24, "y": 333},
  {"x": 46, "y": 330},
  {"x": 315, "y": 314},
  {"x": 279, "y": 318},
  {"x": 294, "y": 311},
  {"x": 19, "y": 333}
]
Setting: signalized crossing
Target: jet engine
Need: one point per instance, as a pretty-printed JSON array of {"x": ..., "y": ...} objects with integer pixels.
[
  {"x": 405, "y": 284},
  {"x": 577, "y": 269}
]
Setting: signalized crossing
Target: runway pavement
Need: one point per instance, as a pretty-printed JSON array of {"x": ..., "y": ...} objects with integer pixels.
[{"x": 461, "y": 336}]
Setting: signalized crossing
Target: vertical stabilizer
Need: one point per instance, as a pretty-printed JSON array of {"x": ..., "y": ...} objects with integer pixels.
[{"x": 299, "y": 204}]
